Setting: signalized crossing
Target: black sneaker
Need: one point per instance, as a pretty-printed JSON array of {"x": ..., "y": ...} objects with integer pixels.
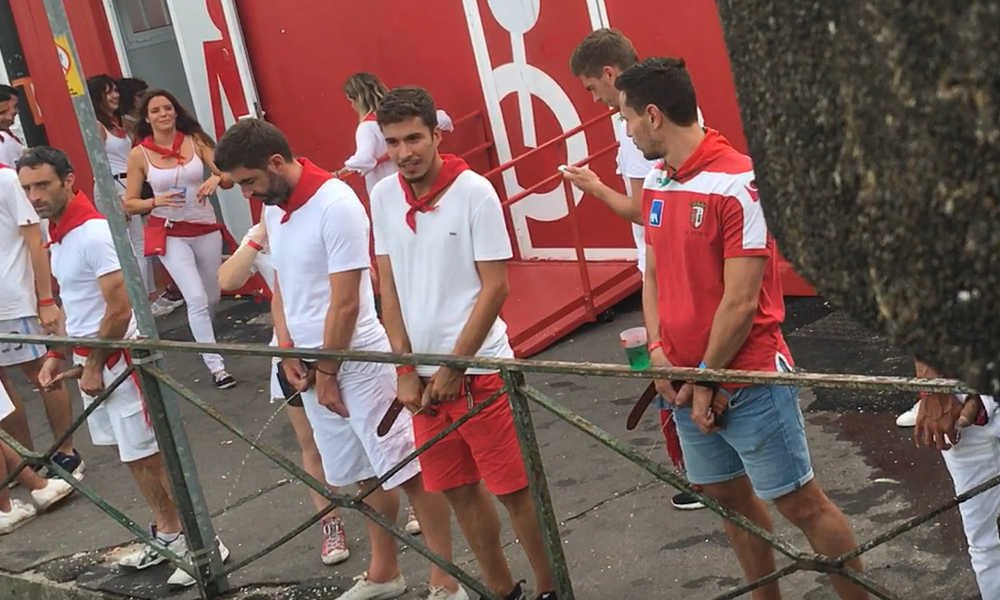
[
  {"x": 547, "y": 596},
  {"x": 72, "y": 463},
  {"x": 685, "y": 501},
  {"x": 223, "y": 380},
  {"x": 517, "y": 593}
]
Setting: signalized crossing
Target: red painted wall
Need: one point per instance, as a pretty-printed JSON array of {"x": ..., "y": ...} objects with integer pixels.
[{"x": 97, "y": 55}]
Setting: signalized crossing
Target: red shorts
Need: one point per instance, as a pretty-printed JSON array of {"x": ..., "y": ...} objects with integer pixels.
[{"x": 484, "y": 448}]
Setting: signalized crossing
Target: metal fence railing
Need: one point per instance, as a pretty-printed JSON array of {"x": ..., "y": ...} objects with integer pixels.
[{"x": 212, "y": 575}]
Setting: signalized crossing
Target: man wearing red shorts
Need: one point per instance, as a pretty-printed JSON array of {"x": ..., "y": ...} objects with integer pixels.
[{"x": 442, "y": 246}]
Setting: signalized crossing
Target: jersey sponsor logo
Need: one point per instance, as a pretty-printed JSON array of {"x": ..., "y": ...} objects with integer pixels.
[
  {"x": 697, "y": 214},
  {"x": 751, "y": 189},
  {"x": 656, "y": 213}
]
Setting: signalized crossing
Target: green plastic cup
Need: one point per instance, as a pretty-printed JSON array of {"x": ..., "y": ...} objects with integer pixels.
[{"x": 634, "y": 341}]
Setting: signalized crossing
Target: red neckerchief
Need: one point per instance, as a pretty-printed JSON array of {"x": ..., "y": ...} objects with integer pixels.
[
  {"x": 11, "y": 134},
  {"x": 451, "y": 167},
  {"x": 78, "y": 211},
  {"x": 118, "y": 130},
  {"x": 172, "y": 152},
  {"x": 369, "y": 117},
  {"x": 310, "y": 180}
]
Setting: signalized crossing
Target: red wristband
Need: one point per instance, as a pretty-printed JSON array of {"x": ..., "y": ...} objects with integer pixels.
[
  {"x": 54, "y": 354},
  {"x": 47, "y": 302},
  {"x": 654, "y": 345},
  {"x": 405, "y": 369},
  {"x": 254, "y": 245},
  {"x": 286, "y": 345}
]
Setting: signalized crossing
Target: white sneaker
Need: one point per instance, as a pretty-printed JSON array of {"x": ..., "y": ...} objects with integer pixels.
[
  {"x": 440, "y": 593},
  {"x": 367, "y": 590},
  {"x": 223, "y": 380},
  {"x": 164, "y": 306},
  {"x": 19, "y": 514},
  {"x": 909, "y": 418},
  {"x": 54, "y": 491},
  {"x": 180, "y": 578},
  {"x": 146, "y": 557},
  {"x": 412, "y": 524}
]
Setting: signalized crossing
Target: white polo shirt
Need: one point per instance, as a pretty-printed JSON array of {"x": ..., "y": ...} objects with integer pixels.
[
  {"x": 328, "y": 234},
  {"x": 435, "y": 268},
  {"x": 17, "y": 290},
  {"x": 85, "y": 254},
  {"x": 11, "y": 149}
]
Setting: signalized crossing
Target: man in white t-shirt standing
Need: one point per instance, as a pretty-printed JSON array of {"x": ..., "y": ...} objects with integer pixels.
[
  {"x": 323, "y": 298},
  {"x": 11, "y": 146},
  {"x": 441, "y": 246},
  {"x": 27, "y": 307},
  {"x": 92, "y": 287},
  {"x": 597, "y": 62}
]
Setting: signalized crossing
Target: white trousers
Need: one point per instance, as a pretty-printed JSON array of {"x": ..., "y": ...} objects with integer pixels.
[
  {"x": 193, "y": 264},
  {"x": 973, "y": 461},
  {"x": 136, "y": 237}
]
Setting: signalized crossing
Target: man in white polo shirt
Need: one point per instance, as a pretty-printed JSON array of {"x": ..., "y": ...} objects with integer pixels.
[
  {"x": 11, "y": 146},
  {"x": 596, "y": 62},
  {"x": 27, "y": 307},
  {"x": 319, "y": 238},
  {"x": 442, "y": 246},
  {"x": 92, "y": 287}
]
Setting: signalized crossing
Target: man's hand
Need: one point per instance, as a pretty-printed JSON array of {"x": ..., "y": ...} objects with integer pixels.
[
  {"x": 444, "y": 386},
  {"x": 297, "y": 374},
  {"x": 937, "y": 417},
  {"x": 51, "y": 373},
  {"x": 665, "y": 387},
  {"x": 52, "y": 319},
  {"x": 409, "y": 391},
  {"x": 583, "y": 179},
  {"x": 328, "y": 394},
  {"x": 708, "y": 404},
  {"x": 92, "y": 379}
]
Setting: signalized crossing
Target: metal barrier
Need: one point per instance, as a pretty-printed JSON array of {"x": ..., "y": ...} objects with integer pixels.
[
  {"x": 520, "y": 395},
  {"x": 162, "y": 391}
]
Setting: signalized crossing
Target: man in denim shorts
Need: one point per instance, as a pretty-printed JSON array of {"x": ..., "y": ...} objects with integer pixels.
[{"x": 712, "y": 298}]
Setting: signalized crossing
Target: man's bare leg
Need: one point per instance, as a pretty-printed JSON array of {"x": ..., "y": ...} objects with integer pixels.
[
  {"x": 27, "y": 477},
  {"x": 312, "y": 462},
  {"x": 826, "y": 528},
  {"x": 521, "y": 508},
  {"x": 58, "y": 407},
  {"x": 755, "y": 555},
  {"x": 477, "y": 516},
  {"x": 151, "y": 476},
  {"x": 16, "y": 423},
  {"x": 435, "y": 522},
  {"x": 384, "y": 565}
]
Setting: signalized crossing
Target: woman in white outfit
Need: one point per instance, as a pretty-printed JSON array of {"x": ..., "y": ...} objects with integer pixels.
[
  {"x": 182, "y": 230},
  {"x": 371, "y": 155},
  {"x": 105, "y": 97}
]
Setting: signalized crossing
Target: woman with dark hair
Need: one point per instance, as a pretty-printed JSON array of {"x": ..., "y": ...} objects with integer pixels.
[
  {"x": 371, "y": 159},
  {"x": 131, "y": 91},
  {"x": 172, "y": 155},
  {"x": 106, "y": 98}
]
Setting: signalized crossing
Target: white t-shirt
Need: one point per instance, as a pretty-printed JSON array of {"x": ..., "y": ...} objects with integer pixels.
[
  {"x": 328, "y": 234},
  {"x": 435, "y": 269},
  {"x": 631, "y": 165},
  {"x": 11, "y": 149},
  {"x": 17, "y": 278},
  {"x": 85, "y": 254},
  {"x": 370, "y": 147}
]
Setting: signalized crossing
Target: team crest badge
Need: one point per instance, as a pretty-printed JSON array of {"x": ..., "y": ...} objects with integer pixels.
[{"x": 697, "y": 214}]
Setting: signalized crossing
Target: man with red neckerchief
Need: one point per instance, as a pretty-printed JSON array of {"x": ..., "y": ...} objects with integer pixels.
[
  {"x": 442, "y": 246},
  {"x": 712, "y": 298},
  {"x": 92, "y": 287},
  {"x": 318, "y": 234}
]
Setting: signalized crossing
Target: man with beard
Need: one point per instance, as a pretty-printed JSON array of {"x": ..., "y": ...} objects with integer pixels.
[
  {"x": 323, "y": 298},
  {"x": 442, "y": 246}
]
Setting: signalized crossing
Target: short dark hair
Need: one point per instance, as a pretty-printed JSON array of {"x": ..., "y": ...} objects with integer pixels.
[
  {"x": 602, "y": 48},
  {"x": 46, "y": 155},
  {"x": 404, "y": 103},
  {"x": 128, "y": 88},
  {"x": 663, "y": 82},
  {"x": 249, "y": 143},
  {"x": 7, "y": 92}
]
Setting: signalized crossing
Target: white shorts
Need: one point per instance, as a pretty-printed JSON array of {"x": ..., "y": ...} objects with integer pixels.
[
  {"x": 6, "y": 406},
  {"x": 121, "y": 419},
  {"x": 276, "y": 393},
  {"x": 350, "y": 448},
  {"x": 15, "y": 353}
]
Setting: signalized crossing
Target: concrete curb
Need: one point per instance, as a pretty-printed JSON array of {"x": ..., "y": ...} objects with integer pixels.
[{"x": 32, "y": 586}]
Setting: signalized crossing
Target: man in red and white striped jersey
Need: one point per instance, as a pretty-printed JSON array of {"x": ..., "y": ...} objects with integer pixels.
[{"x": 712, "y": 298}]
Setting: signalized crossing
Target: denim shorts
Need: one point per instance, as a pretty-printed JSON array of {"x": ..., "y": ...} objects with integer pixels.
[{"x": 764, "y": 438}]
